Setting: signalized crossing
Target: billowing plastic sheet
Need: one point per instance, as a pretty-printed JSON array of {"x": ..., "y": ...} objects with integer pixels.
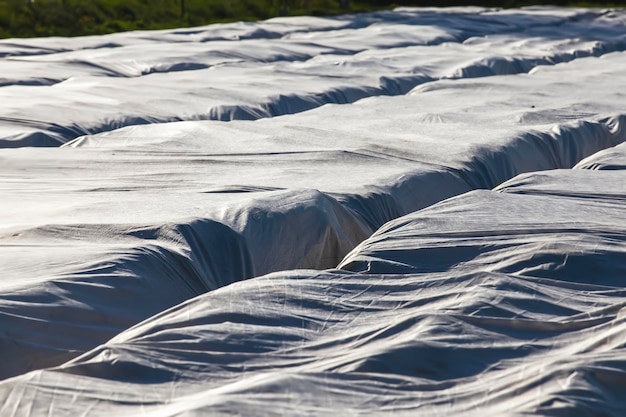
[
  {"x": 119, "y": 226},
  {"x": 609, "y": 159},
  {"x": 281, "y": 66},
  {"x": 491, "y": 303},
  {"x": 517, "y": 289}
]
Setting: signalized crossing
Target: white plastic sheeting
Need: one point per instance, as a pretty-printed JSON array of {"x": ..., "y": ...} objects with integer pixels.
[
  {"x": 491, "y": 304},
  {"x": 613, "y": 158},
  {"x": 119, "y": 226},
  {"x": 115, "y": 227},
  {"x": 281, "y": 66},
  {"x": 539, "y": 236}
]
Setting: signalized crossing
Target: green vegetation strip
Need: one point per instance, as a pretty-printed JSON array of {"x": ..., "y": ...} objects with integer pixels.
[{"x": 29, "y": 18}]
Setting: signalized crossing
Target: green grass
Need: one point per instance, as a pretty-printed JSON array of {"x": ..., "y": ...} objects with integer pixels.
[{"x": 21, "y": 18}]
